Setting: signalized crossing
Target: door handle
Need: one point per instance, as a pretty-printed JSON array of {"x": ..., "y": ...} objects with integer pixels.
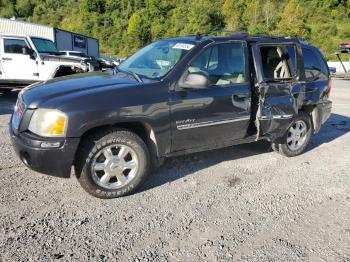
[
  {"x": 6, "y": 59},
  {"x": 240, "y": 97}
]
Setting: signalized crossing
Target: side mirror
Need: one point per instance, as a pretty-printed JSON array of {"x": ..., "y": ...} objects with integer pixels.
[
  {"x": 28, "y": 51},
  {"x": 194, "y": 81}
]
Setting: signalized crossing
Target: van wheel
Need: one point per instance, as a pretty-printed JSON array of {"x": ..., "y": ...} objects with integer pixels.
[
  {"x": 296, "y": 138},
  {"x": 112, "y": 163}
]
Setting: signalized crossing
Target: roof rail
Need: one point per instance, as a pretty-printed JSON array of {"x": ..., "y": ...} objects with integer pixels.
[
  {"x": 232, "y": 32},
  {"x": 303, "y": 41},
  {"x": 199, "y": 35}
]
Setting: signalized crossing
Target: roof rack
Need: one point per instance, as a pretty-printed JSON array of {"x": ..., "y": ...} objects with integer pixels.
[
  {"x": 199, "y": 35},
  {"x": 303, "y": 41},
  {"x": 232, "y": 32}
]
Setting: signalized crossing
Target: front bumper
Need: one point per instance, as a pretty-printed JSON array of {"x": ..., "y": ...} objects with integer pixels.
[{"x": 50, "y": 161}]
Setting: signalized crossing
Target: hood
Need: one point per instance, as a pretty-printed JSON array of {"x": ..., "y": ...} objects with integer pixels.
[
  {"x": 74, "y": 85},
  {"x": 59, "y": 58}
]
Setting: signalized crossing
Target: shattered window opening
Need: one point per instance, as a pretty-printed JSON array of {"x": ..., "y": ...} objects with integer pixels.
[{"x": 278, "y": 62}]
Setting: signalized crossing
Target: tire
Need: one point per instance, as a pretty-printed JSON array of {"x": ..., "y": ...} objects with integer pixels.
[
  {"x": 112, "y": 163},
  {"x": 5, "y": 90},
  {"x": 295, "y": 145}
]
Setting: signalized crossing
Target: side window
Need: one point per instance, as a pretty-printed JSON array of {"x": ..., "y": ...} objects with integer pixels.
[
  {"x": 278, "y": 62},
  {"x": 14, "y": 46},
  {"x": 292, "y": 55},
  {"x": 224, "y": 64},
  {"x": 206, "y": 61},
  {"x": 314, "y": 70}
]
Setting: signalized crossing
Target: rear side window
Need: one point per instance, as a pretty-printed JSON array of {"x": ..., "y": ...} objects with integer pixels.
[
  {"x": 278, "y": 62},
  {"x": 315, "y": 68},
  {"x": 14, "y": 46},
  {"x": 292, "y": 56},
  {"x": 224, "y": 64}
]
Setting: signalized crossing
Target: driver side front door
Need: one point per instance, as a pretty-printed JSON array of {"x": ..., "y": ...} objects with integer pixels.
[
  {"x": 220, "y": 113},
  {"x": 15, "y": 64}
]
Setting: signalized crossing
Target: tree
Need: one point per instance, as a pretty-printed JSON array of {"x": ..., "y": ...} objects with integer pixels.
[
  {"x": 292, "y": 21},
  {"x": 138, "y": 33},
  {"x": 123, "y": 26},
  {"x": 7, "y": 8},
  {"x": 203, "y": 16},
  {"x": 232, "y": 11}
]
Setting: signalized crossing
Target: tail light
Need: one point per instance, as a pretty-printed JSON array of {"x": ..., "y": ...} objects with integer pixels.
[{"x": 329, "y": 87}]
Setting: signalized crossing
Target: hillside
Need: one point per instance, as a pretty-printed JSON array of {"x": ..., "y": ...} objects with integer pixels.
[{"x": 124, "y": 26}]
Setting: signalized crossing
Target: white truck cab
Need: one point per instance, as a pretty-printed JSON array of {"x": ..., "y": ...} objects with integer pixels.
[{"x": 26, "y": 59}]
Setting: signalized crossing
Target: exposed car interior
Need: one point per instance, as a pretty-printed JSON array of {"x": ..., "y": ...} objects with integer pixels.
[
  {"x": 275, "y": 62},
  {"x": 224, "y": 64}
]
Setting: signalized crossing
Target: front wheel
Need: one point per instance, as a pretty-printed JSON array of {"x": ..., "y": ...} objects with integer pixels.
[
  {"x": 112, "y": 163},
  {"x": 296, "y": 138}
]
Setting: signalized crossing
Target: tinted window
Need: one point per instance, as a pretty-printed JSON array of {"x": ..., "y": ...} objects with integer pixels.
[
  {"x": 278, "y": 62},
  {"x": 224, "y": 64},
  {"x": 44, "y": 45},
  {"x": 14, "y": 46},
  {"x": 157, "y": 59},
  {"x": 314, "y": 67}
]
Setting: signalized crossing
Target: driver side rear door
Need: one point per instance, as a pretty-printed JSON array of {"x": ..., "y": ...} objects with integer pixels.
[{"x": 280, "y": 93}]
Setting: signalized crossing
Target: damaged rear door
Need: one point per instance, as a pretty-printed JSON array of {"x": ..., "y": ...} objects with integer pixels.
[{"x": 280, "y": 93}]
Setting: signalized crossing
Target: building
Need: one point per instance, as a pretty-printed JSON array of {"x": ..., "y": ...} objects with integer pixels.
[{"x": 64, "y": 40}]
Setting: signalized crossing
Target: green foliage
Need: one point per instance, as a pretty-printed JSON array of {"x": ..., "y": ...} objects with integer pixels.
[
  {"x": 292, "y": 21},
  {"x": 123, "y": 26}
]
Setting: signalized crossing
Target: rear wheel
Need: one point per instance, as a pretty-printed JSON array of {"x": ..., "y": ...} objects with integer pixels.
[
  {"x": 296, "y": 138},
  {"x": 112, "y": 163}
]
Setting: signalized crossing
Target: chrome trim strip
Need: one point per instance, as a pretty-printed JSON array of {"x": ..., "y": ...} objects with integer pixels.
[
  {"x": 211, "y": 123},
  {"x": 276, "y": 117}
]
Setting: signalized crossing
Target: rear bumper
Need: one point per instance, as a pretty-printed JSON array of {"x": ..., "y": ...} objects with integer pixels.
[
  {"x": 50, "y": 161},
  {"x": 326, "y": 108},
  {"x": 321, "y": 114}
]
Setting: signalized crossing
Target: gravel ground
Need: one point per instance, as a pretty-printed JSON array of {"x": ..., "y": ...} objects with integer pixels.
[{"x": 243, "y": 203}]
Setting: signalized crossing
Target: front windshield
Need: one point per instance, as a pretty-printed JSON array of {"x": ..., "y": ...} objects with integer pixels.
[
  {"x": 157, "y": 59},
  {"x": 44, "y": 45}
]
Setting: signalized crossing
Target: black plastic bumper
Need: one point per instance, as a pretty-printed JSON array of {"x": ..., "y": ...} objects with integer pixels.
[
  {"x": 50, "y": 161},
  {"x": 321, "y": 114},
  {"x": 326, "y": 110}
]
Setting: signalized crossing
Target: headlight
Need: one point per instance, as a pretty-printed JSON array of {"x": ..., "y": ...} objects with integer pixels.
[
  {"x": 84, "y": 66},
  {"x": 48, "y": 123}
]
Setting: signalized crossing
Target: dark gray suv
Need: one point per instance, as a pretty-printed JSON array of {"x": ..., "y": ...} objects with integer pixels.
[{"x": 173, "y": 97}]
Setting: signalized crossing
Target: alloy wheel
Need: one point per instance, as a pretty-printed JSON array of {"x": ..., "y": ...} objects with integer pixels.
[
  {"x": 114, "y": 166},
  {"x": 296, "y": 136}
]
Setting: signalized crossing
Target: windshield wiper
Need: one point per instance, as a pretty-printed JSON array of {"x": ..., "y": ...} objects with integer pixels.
[{"x": 136, "y": 76}]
